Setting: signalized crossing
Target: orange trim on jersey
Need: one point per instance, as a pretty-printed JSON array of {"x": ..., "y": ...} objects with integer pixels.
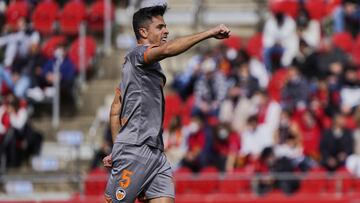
[
  {"x": 145, "y": 53},
  {"x": 108, "y": 199}
]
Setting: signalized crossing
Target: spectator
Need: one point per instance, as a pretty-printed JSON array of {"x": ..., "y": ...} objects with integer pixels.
[
  {"x": 25, "y": 140},
  {"x": 184, "y": 82},
  {"x": 353, "y": 161},
  {"x": 195, "y": 145},
  {"x": 5, "y": 138},
  {"x": 280, "y": 39},
  {"x": 347, "y": 17},
  {"x": 336, "y": 144},
  {"x": 295, "y": 92},
  {"x": 210, "y": 90},
  {"x": 236, "y": 109},
  {"x": 18, "y": 46},
  {"x": 67, "y": 78},
  {"x": 310, "y": 130},
  {"x": 306, "y": 60},
  {"x": 286, "y": 129},
  {"x": 350, "y": 92},
  {"x": 268, "y": 111},
  {"x": 174, "y": 142},
  {"x": 245, "y": 83},
  {"x": 226, "y": 146},
  {"x": 254, "y": 139},
  {"x": 308, "y": 29},
  {"x": 329, "y": 59},
  {"x": 264, "y": 166}
]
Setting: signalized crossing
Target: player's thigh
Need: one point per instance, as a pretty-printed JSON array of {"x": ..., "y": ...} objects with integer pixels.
[
  {"x": 162, "y": 185},
  {"x": 127, "y": 176}
]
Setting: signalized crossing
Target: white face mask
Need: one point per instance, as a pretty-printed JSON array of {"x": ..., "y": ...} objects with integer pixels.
[
  {"x": 231, "y": 54},
  {"x": 194, "y": 127},
  {"x": 223, "y": 134}
]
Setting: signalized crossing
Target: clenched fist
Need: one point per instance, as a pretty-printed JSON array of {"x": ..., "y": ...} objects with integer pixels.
[{"x": 221, "y": 32}]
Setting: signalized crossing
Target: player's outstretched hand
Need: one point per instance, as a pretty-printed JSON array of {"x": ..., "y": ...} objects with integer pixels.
[
  {"x": 221, "y": 32},
  {"x": 107, "y": 161}
]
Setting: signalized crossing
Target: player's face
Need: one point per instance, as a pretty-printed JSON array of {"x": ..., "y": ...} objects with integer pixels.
[{"x": 157, "y": 31}]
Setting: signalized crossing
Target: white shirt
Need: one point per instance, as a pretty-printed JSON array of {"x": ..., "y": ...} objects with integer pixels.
[
  {"x": 254, "y": 141},
  {"x": 285, "y": 35}
]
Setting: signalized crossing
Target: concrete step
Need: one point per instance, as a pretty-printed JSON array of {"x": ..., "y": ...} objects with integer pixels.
[
  {"x": 110, "y": 66},
  {"x": 78, "y": 123},
  {"x": 95, "y": 95}
]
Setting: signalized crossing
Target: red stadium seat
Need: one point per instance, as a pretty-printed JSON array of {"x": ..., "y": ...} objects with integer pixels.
[
  {"x": 45, "y": 15},
  {"x": 95, "y": 182},
  {"x": 233, "y": 41},
  {"x": 183, "y": 177},
  {"x": 290, "y": 7},
  {"x": 173, "y": 107},
  {"x": 343, "y": 183},
  {"x": 331, "y": 5},
  {"x": 95, "y": 15},
  {"x": 315, "y": 182},
  {"x": 15, "y": 11},
  {"x": 186, "y": 110},
  {"x": 207, "y": 181},
  {"x": 51, "y": 44},
  {"x": 236, "y": 182},
  {"x": 355, "y": 54},
  {"x": 343, "y": 41},
  {"x": 70, "y": 20},
  {"x": 254, "y": 46},
  {"x": 277, "y": 82},
  {"x": 316, "y": 9},
  {"x": 90, "y": 52}
]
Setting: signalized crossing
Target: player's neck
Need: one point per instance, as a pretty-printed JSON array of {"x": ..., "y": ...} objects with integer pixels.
[{"x": 143, "y": 41}]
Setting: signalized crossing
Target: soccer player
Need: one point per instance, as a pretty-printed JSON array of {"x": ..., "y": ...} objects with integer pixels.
[{"x": 139, "y": 166}]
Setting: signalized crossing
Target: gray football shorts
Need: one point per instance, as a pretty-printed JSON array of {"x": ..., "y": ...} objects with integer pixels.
[{"x": 138, "y": 171}]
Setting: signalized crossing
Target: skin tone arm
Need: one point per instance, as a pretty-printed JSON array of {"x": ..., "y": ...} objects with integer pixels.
[
  {"x": 180, "y": 45},
  {"x": 115, "y": 123}
]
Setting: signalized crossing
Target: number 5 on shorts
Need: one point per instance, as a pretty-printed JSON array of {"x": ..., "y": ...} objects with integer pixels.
[{"x": 125, "y": 178}]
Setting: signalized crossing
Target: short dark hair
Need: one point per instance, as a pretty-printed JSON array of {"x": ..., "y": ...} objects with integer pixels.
[{"x": 143, "y": 17}]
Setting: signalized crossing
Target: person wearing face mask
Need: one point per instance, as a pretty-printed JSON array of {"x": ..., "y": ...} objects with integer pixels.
[
  {"x": 279, "y": 39},
  {"x": 225, "y": 148},
  {"x": 195, "y": 142}
]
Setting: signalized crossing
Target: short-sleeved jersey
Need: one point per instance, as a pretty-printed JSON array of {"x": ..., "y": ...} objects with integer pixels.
[{"x": 142, "y": 111}]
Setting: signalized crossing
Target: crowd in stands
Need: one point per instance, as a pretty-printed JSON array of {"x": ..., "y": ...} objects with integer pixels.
[
  {"x": 285, "y": 100},
  {"x": 36, "y": 37}
]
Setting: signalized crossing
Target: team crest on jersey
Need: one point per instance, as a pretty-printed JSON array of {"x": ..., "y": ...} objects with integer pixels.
[{"x": 120, "y": 194}]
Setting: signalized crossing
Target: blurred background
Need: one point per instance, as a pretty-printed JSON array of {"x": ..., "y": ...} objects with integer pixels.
[{"x": 269, "y": 115}]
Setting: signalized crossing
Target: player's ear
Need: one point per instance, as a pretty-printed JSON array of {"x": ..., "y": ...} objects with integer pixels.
[{"x": 143, "y": 32}]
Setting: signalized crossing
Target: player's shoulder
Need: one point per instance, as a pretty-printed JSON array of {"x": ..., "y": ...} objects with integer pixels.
[{"x": 140, "y": 49}]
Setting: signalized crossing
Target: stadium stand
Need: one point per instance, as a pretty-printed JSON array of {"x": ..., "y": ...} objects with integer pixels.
[{"x": 296, "y": 120}]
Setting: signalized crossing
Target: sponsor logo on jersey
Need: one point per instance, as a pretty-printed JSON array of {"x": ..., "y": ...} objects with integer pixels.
[{"x": 120, "y": 194}]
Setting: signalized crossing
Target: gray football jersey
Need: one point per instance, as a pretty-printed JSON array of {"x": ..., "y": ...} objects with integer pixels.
[{"x": 142, "y": 101}]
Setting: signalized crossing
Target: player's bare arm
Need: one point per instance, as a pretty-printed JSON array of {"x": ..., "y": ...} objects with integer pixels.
[
  {"x": 114, "y": 117},
  {"x": 115, "y": 123},
  {"x": 180, "y": 45}
]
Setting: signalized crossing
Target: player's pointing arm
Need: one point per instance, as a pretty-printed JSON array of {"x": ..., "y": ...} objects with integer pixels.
[{"x": 180, "y": 45}]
